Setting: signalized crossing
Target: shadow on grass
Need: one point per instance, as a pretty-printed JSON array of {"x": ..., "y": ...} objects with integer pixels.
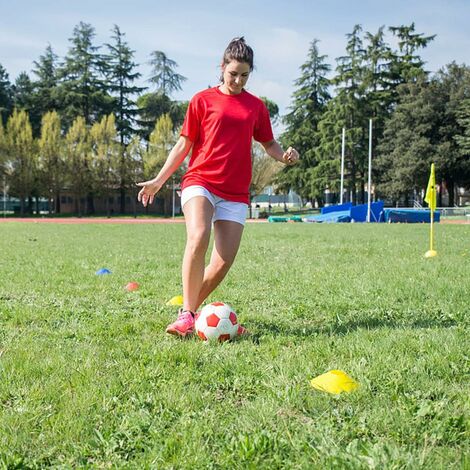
[{"x": 340, "y": 329}]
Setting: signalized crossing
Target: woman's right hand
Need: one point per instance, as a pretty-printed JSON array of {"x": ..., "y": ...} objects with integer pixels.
[{"x": 147, "y": 193}]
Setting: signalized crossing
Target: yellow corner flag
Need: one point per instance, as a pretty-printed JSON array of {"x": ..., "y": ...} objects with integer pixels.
[{"x": 430, "y": 198}]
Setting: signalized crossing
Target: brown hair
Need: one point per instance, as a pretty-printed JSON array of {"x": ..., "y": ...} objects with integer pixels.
[{"x": 238, "y": 50}]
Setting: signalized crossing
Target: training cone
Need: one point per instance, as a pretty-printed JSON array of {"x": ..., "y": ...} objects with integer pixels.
[
  {"x": 102, "y": 271},
  {"x": 131, "y": 286},
  {"x": 176, "y": 300},
  {"x": 334, "y": 381},
  {"x": 430, "y": 254}
]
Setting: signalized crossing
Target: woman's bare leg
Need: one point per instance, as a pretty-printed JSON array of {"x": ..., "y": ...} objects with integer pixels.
[
  {"x": 227, "y": 237},
  {"x": 198, "y": 212}
]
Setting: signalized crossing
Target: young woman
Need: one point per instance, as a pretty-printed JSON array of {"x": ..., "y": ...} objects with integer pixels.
[{"x": 219, "y": 127}]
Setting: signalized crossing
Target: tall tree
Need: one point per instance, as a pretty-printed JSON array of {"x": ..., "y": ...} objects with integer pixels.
[
  {"x": 450, "y": 87},
  {"x": 121, "y": 74},
  {"x": 77, "y": 151},
  {"x": 21, "y": 156},
  {"x": 161, "y": 141},
  {"x": 408, "y": 145},
  {"x": 82, "y": 89},
  {"x": 3, "y": 149},
  {"x": 164, "y": 76},
  {"x": 152, "y": 106},
  {"x": 347, "y": 109},
  {"x": 24, "y": 98},
  {"x": 463, "y": 138},
  {"x": 5, "y": 95},
  {"x": 105, "y": 158},
  {"x": 46, "y": 83},
  {"x": 309, "y": 102},
  {"x": 377, "y": 83},
  {"x": 51, "y": 159},
  {"x": 406, "y": 64}
]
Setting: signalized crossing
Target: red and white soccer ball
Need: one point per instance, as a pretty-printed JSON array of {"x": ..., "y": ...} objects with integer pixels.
[{"x": 217, "y": 322}]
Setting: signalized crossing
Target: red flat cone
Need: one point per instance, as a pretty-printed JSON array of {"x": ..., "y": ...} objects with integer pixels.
[{"x": 132, "y": 286}]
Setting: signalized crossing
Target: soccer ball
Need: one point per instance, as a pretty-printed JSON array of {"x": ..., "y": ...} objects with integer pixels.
[{"x": 217, "y": 322}]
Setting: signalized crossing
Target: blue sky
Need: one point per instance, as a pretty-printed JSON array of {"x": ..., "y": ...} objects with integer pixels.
[{"x": 195, "y": 33}]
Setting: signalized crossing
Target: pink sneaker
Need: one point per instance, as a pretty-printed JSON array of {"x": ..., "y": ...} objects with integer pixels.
[{"x": 184, "y": 324}]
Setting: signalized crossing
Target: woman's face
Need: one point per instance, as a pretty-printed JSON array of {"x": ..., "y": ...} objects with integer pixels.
[{"x": 235, "y": 76}]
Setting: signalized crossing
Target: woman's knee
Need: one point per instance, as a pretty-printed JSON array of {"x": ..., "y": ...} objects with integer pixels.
[
  {"x": 222, "y": 265},
  {"x": 198, "y": 240}
]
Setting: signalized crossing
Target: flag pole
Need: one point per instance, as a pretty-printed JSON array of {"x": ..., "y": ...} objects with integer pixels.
[
  {"x": 430, "y": 198},
  {"x": 343, "y": 139},
  {"x": 370, "y": 172}
]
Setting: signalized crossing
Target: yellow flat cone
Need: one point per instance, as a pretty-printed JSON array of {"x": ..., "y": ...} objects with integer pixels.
[
  {"x": 176, "y": 300},
  {"x": 430, "y": 254},
  {"x": 334, "y": 381}
]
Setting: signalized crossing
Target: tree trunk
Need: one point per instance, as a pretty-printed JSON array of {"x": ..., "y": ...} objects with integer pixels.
[
  {"x": 362, "y": 192},
  {"x": 123, "y": 200},
  {"x": 451, "y": 191},
  {"x": 30, "y": 205},
  {"x": 353, "y": 181},
  {"x": 90, "y": 204},
  {"x": 57, "y": 204}
]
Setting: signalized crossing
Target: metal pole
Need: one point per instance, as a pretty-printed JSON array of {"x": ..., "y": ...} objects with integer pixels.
[
  {"x": 173, "y": 203},
  {"x": 370, "y": 171},
  {"x": 4, "y": 196},
  {"x": 342, "y": 166}
]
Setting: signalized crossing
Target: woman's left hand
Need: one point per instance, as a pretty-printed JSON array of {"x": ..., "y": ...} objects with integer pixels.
[{"x": 291, "y": 156}]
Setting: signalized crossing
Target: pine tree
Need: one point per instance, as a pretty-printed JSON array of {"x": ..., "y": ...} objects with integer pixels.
[
  {"x": 152, "y": 106},
  {"x": 23, "y": 98},
  {"x": 347, "y": 109},
  {"x": 408, "y": 145},
  {"x": 46, "y": 84},
  {"x": 463, "y": 118},
  {"x": 21, "y": 156},
  {"x": 450, "y": 88},
  {"x": 406, "y": 65},
  {"x": 378, "y": 87},
  {"x": 5, "y": 95},
  {"x": 164, "y": 76},
  {"x": 121, "y": 74},
  {"x": 51, "y": 160},
  {"x": 82, "y": 87},
  {"x": 309, "y": 103}
]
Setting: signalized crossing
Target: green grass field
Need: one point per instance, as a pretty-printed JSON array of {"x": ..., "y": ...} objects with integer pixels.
[{"x": 89, "y": 379}]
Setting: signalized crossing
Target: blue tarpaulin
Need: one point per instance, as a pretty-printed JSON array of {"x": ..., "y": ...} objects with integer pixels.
[
  {"x": 336, "y": 208},
  {"x": 409, "y": 215},
  {"x": 348, "y": 213},
  {"x": 359, "y": 213},
  {"x": 331, "y": 217}
]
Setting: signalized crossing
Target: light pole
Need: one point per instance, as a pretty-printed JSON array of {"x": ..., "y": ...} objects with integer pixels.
[
  {"x": 4, "y": 196},
  {"x": 370, "y": 171},
  {"x": 343, "y": 140}
]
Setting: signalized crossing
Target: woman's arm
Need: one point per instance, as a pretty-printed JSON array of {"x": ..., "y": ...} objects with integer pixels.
[
  {"x": 274, "y": 150},
  {"x": 175, "y": 158}
]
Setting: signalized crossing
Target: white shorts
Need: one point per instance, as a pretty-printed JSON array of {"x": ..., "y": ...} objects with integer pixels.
[{"x": 223, "y": 209}]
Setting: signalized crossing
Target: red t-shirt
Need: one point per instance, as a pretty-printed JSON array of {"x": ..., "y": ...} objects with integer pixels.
[{"x": 221, "y": 128}]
